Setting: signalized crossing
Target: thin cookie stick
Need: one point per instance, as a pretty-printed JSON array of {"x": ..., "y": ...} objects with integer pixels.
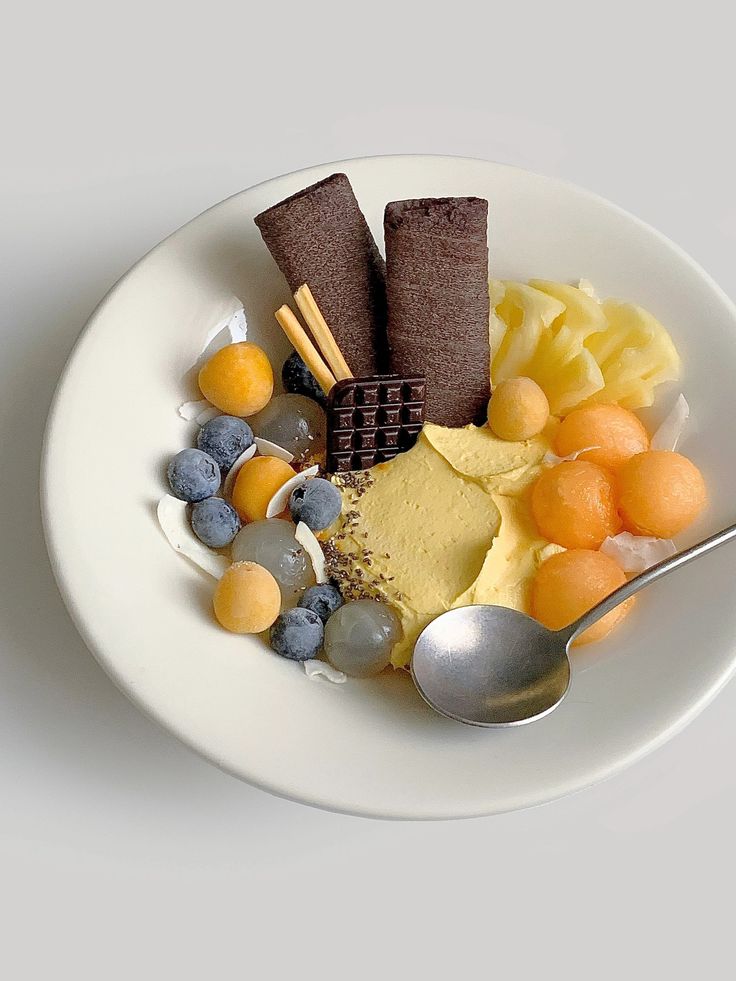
[
  {"x": 309, "y": 354},
  {"x": 321, "y": 333}
]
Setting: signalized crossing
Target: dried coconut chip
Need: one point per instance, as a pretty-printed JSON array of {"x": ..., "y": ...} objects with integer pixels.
[
  {"x": 668, "y": 435},
  {"x": 637, "y": 553},
  {"x": 267, "y": 448},
  {"x": 207, "y": 415},
  {"x": 305, "y": 536},
  {"x": 232, "y": 330},
  {"x": 227, "y": 487},
  {"x": 174, "y": 522},
  {"x": 315, "y": 670},
  {"x": 190, "y": 410},
  {"x": 200, "y": 412},
  {"x": 280, "y": 499},
  {"x": 551, "y": 459}
]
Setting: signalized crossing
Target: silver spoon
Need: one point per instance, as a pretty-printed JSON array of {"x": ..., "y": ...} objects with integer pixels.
[{"x": 495, "y": 667}]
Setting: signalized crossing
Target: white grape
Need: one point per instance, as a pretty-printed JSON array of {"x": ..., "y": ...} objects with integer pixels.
[
  {"x": 294, "y": 422},
  {"x": 272, "y": 544},
  {"x": 359, "y": 637}
]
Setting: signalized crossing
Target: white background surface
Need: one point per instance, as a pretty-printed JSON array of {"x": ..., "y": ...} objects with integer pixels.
[{"x": 122, "y": 854}]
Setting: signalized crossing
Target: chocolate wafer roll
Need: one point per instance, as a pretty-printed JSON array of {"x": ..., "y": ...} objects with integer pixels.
[
  {"x": 319, "y": 236},
  {"x": 437, "y": 290}
]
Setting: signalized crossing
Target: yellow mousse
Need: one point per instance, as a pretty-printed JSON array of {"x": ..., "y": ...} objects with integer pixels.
[{"x": 446, "y": 524}]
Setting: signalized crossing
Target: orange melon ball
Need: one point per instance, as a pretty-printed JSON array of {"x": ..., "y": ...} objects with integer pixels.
[
  {"x": 574, "y": 504},
  {"x": 247, "y": 599},
  {"x": 518, "y": 409},
  {"x": 238, "y": 379},
  {"x": 618, "y": 433},
  {"x": 660, "y": 493},
  {"x": 571, "y": 583},
  {"x": 256, "y": 483}
]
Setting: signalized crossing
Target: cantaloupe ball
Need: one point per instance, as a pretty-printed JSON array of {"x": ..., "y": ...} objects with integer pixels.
[
  {"x": 238, "y": 379},
  {"x": 571, "y": 583},
  {"x": 256, "y": 483},
  {"x": 618, "y": 433},
  {"x": 247, "y": 599},
  {"x": 574, "y": 504},
  {"x": 518, "y": 409},
  {"x": 660, "y": 493}
]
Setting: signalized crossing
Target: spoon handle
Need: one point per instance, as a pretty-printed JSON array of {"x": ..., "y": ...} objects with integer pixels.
[{"x": 656, "y": 572}]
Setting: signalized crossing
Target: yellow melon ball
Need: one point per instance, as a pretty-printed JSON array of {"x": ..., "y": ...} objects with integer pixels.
[
  {"x": 247, "y": 599},
  {"x": 238, "y": 379},
  {"x": 574, "y": 504},
  {"x": 571, "y": 583},
  {"x": 617, "y": 433},
  {"x": 660, "y": 493},
  {"x": 518, "y": 409},
  {"x": 256, "y": 483}
]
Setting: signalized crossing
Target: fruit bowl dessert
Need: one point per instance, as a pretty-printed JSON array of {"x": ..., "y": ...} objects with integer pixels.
[
  {"x": 443, "y": 440},
  {"x": 372, "y": 745}
]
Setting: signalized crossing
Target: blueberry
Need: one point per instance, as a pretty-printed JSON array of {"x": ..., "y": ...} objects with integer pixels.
[
  {"x": 299, "y": 380},
  {"x": 297, "y": 634},
  {"x": 193, "y": 475},
  {"x": 322, "y": 600},
  {"x": 225, "y": 438},
  {"x": 215, "y": 522},
  {"x": 317, "y": 503}
]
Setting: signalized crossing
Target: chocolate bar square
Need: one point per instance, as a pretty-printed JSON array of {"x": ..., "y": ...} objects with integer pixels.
[{"x": 372, "y": 419}]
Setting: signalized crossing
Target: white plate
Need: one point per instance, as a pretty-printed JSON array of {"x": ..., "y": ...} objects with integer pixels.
[{"x": 370, "y": 747}]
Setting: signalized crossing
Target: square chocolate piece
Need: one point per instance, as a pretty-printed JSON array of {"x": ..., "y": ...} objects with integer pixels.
[{"x": 372, "y": 419}]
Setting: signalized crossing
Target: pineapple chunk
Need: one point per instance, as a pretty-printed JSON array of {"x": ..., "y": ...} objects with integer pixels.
[
  {"x": 583, "y": 315},
  {"x": 497, "y": 326},
  {"x": 576, "y": 348},
  {"x": 567, "y": 373},
  {"x": 526, "y": 312},
  {"x": 635, "y": 355}
]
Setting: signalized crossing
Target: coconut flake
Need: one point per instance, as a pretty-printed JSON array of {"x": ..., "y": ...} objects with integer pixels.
[
  {"x": 232, "y": 330},
  {"x": 267, "y": 448},
  {"x": 315, "y": 670},
  {"x": 191, "y": 410},
  {"x": 305, "y": 536},
  {"x": 637, "y": 553},
  {"x": 174, "y": 521},
  {"x": 227, "y": 487},
  {"x": 280, "y": 499},
  {"x": 207, "y": 415},
  {"x": 585, "y": 286},
  {"x": 668, "y": 435},
  {"x": 551, "y": 459}
]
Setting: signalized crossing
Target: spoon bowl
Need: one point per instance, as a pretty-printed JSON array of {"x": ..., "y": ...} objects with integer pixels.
[
  {"x": 494, "y": 667},
  {"x": 491, "y": 666}
]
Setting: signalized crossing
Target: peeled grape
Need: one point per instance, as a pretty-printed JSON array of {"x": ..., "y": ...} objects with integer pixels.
[
  {"x": 294, "y": 422},
  {"x": 359, "y": 637},
  {"x": 272, "y": 544}
]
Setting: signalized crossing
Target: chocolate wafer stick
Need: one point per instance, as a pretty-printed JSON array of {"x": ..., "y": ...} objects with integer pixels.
[
  {"x": 437, "y": 289},
  {"x": 319, "y": 236}
]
